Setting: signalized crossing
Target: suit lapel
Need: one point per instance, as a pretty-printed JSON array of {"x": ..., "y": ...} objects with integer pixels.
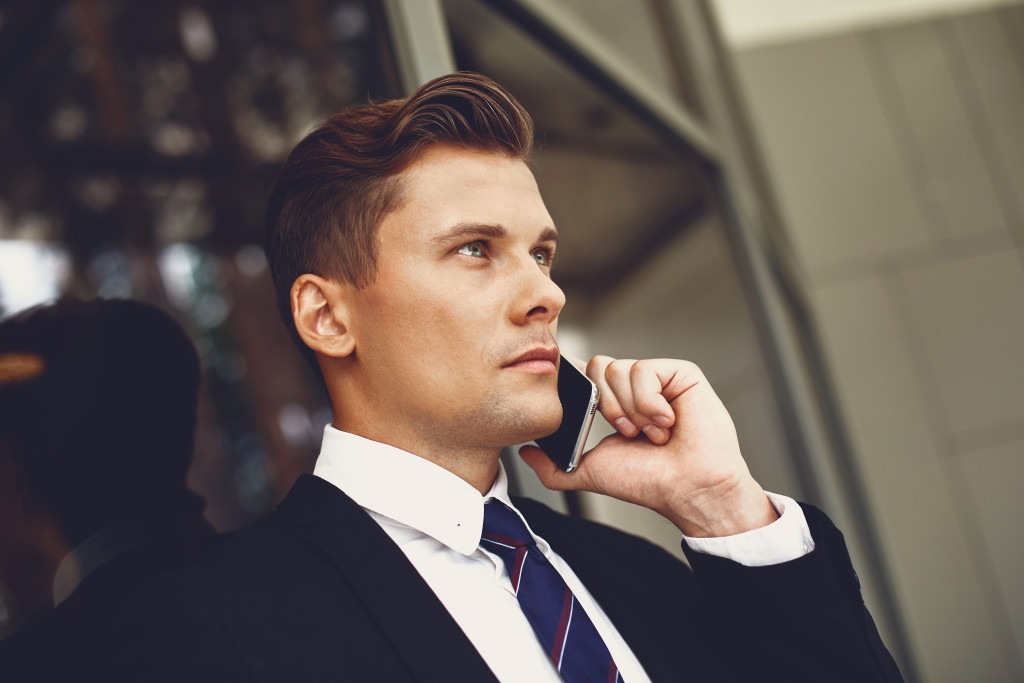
[{"x": 418, "y": 626}]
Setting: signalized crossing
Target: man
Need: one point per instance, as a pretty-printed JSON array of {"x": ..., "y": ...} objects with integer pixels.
[
  {"x": 411, "y": 252},
  {"x": 97, "y": 421}
]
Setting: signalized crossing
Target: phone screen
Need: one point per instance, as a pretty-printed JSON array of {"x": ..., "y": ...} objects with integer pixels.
[{"x": 579, "y": 401}]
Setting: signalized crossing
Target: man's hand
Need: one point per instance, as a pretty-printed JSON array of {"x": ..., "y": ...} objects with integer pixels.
[{"x": 675, "y": 452}]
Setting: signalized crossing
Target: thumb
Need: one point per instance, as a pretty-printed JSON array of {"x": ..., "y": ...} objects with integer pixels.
[{"x": 550, "y": 474}]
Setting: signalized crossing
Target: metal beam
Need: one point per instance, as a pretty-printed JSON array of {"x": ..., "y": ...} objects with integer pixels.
[
  {"x": 419, "y": 37},
  {"x": 775, "y": 289},
  {"x": 587, "y": 51}
]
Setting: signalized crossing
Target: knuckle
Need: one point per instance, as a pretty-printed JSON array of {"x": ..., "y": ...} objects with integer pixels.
[
  {"x": 691, "y": 368},
  {"x": 640, "y": 367},
  {"x": 618, "y": 369},
  {"x": 597, "y": 364}
]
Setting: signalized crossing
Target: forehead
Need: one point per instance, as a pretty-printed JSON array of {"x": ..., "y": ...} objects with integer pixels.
[{"x": 447, "y": 186}]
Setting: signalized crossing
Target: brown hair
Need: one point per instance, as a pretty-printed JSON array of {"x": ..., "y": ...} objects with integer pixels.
[{"x": 341, "y": 180}]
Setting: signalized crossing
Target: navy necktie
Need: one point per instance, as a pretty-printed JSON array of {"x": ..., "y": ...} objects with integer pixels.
[{"x": 564, "y": 629}]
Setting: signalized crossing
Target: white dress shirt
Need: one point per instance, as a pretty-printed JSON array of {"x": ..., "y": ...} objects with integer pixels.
[{"x": 436, "y": 519}]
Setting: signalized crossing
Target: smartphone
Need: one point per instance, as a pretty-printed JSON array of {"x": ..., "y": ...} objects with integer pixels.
[{"x": 579, "y": 402}]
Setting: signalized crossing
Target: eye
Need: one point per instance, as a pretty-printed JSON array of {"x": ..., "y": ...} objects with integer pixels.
[
  {"x": 543, "y": 257},
  {"x": 475, "y": 249}
]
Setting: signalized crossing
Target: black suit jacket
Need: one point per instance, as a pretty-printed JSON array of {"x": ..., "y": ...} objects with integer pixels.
[{"x": 317, "y": 591}]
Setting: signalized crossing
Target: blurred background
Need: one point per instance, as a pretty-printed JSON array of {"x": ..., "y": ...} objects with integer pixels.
[{"x": 819, "y": 202}]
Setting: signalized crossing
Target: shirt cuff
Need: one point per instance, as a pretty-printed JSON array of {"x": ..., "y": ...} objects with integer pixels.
[{"x": 785, "y": 539}]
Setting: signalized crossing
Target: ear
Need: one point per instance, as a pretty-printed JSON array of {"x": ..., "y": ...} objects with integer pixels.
[{"x": 321, "y": 316}]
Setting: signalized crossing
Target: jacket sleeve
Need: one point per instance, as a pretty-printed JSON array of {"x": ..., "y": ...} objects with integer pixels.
[{"x": 803, "y": 620}]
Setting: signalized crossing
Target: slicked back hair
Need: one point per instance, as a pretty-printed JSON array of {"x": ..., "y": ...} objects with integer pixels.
[{"x": 341, "y": 180}]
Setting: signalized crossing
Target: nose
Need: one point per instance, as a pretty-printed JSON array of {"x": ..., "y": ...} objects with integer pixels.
[{"x": 540, "y": 299}]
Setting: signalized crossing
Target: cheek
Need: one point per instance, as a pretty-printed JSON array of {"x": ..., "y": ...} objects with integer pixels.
[
  {"x": 419, "y": 325},
  {"x": 453, "y": 321}
]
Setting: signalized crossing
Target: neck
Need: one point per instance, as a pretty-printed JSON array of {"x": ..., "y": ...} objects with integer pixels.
[
  {"x": 477, "y": 469},
  {"x": 476, "y": 465}
]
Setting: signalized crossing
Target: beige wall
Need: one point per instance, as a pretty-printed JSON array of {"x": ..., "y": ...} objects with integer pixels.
[{"x": 897, "y": 155}]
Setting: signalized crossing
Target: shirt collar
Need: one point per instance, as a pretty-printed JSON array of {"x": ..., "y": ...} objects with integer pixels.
[{"x": 407, "y": 488}]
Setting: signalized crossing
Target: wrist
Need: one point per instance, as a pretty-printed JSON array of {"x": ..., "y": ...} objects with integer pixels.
[{"x": 724, "y": 511}]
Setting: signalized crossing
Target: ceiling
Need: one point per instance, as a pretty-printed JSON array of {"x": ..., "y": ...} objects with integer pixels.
[
  {"x": 751, "y": 23},
  {"x": 617, "y": 189}
]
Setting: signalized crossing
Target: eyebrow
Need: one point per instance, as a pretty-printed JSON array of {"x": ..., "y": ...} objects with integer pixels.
[{"x": 468, "y": 230}]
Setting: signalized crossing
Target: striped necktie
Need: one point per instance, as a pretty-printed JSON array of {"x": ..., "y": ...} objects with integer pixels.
[{"x": 564, "y": 629}]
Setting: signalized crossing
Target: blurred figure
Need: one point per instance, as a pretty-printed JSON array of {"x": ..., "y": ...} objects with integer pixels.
[{"x": 97, "y": 421}]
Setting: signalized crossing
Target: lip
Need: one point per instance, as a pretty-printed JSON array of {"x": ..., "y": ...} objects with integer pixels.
[{"x": 537, "y": 359}]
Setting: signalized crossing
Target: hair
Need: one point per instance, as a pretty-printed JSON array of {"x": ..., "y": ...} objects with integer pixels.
[
  {"x": 341, "y": 180},
  {"x": 98, "y": 408}
]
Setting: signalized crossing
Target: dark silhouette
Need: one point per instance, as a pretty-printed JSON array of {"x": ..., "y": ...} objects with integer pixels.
[{"x": 97, "y": 422}]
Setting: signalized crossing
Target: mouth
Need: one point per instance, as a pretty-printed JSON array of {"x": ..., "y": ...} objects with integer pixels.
[{"x": 540, "y": 359}]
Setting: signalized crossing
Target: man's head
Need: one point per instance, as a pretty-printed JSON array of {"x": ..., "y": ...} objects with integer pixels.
[
  {"x": 97, "y": 410},
  {"x": 342, "y": 179},
  {"x": 411, "y": 252}
]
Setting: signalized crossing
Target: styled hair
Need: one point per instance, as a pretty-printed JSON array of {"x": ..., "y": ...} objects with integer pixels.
[
  {"x": 341, "y": 180},
  {"x": 98, "y": 408}
]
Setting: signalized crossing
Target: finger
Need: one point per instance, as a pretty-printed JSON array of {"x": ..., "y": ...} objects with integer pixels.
[
  {"x": 550, "y": 474},
  {"x": 609, "y": 404},
  {"x": 621, "y": 376},
  {"x": 648, "y": 381},
  {"x": 618, "y": 375},
  {"x": 652, "y": 413}
]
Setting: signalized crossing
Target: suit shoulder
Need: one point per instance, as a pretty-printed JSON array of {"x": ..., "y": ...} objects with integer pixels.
[{"x": 266, "y": 539}]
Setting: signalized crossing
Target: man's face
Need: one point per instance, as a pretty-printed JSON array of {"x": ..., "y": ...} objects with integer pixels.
[{"x": 462, "y": 292}]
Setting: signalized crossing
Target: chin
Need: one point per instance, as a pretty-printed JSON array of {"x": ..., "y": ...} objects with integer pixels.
[
  {"x": 543, "y": 423},
  {"x": 513, "y": 419}
]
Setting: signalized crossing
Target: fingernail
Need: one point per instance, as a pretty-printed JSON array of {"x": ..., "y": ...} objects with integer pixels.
[
  {"x": 663, "y": 420},
  {"x": 654, "y": 432},
  {"x": 625, "y": 426}
]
